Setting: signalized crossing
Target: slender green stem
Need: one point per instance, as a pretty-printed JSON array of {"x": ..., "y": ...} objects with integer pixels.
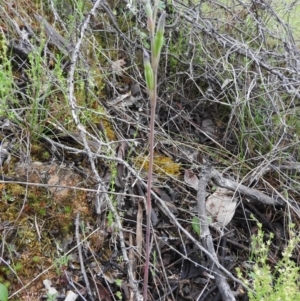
[
  {"x": 155, "y": 7},
  {"x": 149, "y": 185},
  {"x": 153, "y": 98},
  {"x": 151, "y": 81}
]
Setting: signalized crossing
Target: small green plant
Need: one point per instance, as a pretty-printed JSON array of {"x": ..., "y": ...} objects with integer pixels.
[
  {"x": 196, "y": 225},
  {"x": 118, "y": 282},
  {"x": 110, "y": 219},
  {"x": 68, "y": 209},
  {"x": 51, "y": 297},
  {"x": 61, "y": 263},
  {"x": 114, "y": 174},
  {"x": 18, "y": 266},
  {"x": 42, "y": 211},
  {"x": 119, "y": 295},
  {"x": 6, "y": 76},
  {"x": 3, "y": 292},
  {"x": 154, "y": 263},
  {"x": 282, "y": 282},
  {"x": 38, "y": 90},
  {"x": 36, "y": 259}
]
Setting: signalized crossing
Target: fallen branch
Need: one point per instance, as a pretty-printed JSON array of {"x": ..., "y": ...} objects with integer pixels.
[{"x": 249, "y": 192}]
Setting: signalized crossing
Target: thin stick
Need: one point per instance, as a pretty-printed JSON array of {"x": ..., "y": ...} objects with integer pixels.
[{"x": 86, "y": 280}]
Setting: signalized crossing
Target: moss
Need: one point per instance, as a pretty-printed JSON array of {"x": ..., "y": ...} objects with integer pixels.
[
  {"x": 110, "y": 134},
  {"x": 16, "y": 190},
  {"x": 162, "y": 165},
  {"x": 38, "y": 151}
]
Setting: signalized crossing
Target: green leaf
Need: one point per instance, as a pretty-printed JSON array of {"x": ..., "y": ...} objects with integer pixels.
[
  {"x": 196, "y": 225},
  {"x": 161, "y": 5},
  {"x": 119, "y": 295},
  {"x": 118, "y": 282},
  {"x": 3, "y": 292}
]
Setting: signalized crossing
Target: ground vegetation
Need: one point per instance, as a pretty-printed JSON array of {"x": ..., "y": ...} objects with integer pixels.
[{"x": 74, "y": 153}]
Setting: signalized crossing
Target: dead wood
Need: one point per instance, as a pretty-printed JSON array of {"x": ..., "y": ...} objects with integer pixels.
[{"x": 206, "y": 237}]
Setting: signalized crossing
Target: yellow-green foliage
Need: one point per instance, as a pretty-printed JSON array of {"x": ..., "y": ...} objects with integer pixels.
[
  {"x": 3, "y": 48},
  {"x": 282, "y": 282},
  {"x": 162, "y": 165},
  {"x": 109, "y": 131},
  {"x": 5, "y": 73}
]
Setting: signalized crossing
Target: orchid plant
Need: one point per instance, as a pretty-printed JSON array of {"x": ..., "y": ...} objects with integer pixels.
[{"x": 150, "y": 69}]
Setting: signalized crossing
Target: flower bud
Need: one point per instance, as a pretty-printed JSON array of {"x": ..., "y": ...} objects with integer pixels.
[
  {"x": 148, "y": 10},
  {"x": 149, "y": 77},
  {"x": 159, "y": 36}
]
